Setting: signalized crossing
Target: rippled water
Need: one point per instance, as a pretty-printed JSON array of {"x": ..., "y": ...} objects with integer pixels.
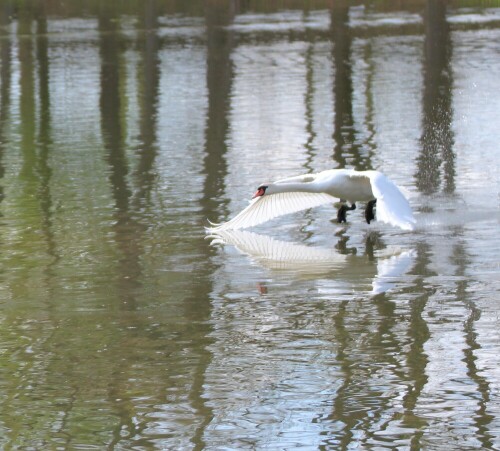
[{"x": 124, "y": 128}]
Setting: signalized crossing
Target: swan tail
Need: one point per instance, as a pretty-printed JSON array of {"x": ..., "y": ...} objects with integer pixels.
[{"x": 392, "y": 206}]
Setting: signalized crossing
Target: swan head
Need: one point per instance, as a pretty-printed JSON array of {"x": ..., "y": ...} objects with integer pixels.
[{"x": 261, "y": 190}]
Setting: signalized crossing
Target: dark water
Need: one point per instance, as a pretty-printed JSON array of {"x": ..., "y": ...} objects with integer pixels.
[{"x": 124, "y": 127}]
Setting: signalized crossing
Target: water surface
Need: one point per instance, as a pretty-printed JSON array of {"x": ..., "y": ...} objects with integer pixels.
[{"x": 124, "y": 128}]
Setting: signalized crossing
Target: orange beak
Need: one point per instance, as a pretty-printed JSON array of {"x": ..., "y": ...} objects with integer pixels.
[{"x": 258, "y": 193}]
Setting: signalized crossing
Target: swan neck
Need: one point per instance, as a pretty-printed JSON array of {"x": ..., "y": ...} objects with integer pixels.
[{"x": 294, "y": 187}]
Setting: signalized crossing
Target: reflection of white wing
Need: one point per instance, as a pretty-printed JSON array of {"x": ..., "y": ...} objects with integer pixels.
[
  {"x": 264, "y": 208},
  {"x": 392, "y": 206},
  {"x": 391, "y": 269},
  {"x": 390, "y": 265},
  {"x": 280, "y": 254}
]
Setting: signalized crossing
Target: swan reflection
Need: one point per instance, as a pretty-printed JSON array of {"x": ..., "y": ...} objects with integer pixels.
[{"x": 384, "y": 267}]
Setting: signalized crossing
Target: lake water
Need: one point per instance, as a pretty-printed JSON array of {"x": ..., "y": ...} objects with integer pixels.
[{"x": 125, "y": 128}]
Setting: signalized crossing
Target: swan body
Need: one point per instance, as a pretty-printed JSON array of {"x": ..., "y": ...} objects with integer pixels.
[{"x": 293, "y": 194}]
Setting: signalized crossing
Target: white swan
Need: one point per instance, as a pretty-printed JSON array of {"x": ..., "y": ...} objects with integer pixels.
[{"x": 311, "y": 190}]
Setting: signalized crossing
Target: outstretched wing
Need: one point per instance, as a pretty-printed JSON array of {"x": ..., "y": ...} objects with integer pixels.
[
  {"x": 269, "y": 206},
  {"x": 392, "y": 206}
]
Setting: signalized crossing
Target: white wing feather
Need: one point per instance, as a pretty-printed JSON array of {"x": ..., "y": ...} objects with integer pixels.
[
  {"x": 269, "y": 206},
  {"x": 392, "y": 206}
]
